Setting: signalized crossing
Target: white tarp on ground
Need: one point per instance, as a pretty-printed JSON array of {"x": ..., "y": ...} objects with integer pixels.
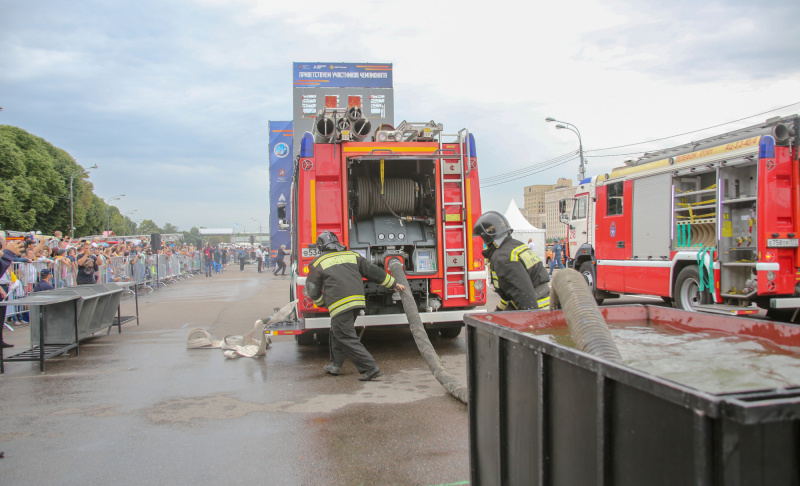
[{"x": 523, "y": 230}]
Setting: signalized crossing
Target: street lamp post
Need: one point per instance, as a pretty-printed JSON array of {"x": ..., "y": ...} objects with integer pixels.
[
  {"x": 259, "y": 224},
  {"x": 259, "y": 228},
  {"x": 71, "y": 203},
  {"x": 108, "y": 213},
  {"x": 125, "y": 221},
  {"x": 569, "y": 126}
]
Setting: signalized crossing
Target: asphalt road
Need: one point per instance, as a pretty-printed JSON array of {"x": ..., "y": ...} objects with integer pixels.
[{"x": 139, "y": 408}]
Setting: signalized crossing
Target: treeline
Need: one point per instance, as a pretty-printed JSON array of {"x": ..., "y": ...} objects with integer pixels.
[{"x": 34, "y": 192}]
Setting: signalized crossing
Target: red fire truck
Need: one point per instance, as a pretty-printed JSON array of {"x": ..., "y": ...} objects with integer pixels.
[
  {"x": 712, "y": 225},
  {"x": 404, "y": 193}
]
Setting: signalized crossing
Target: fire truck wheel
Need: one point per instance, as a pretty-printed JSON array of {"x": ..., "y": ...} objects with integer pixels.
[
  {"x": 306, "y": 339},
  {"x": 588, "y": 272},
  {"x": 450, "y": 332},
  {"x": 687, "y": 290},
  {"x": 781, "y": 315}
]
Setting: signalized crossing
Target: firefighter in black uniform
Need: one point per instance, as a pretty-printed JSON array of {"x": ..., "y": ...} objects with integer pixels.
[
  {"x": 518, "y": 274},
  {"x": 335, "y": 281}
]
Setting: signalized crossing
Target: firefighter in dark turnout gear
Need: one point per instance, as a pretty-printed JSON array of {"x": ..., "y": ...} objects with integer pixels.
[
  {"x": 518, "y": 274},
  {"x": 335, "y": 281}
]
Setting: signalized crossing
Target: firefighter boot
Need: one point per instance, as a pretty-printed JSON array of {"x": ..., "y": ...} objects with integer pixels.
[{"x": 370, "y": 375}]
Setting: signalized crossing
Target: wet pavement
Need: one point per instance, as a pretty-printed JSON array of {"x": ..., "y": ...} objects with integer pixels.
[{"x": 139, "y": 408}]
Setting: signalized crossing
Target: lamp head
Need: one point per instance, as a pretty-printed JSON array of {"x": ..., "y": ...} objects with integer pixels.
[
  {"x": 549, "y": 119},
  {"x": 560, "y": 126}
]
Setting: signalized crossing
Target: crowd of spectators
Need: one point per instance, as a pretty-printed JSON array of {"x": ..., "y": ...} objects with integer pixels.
[
  {"x": 58, "y": 261},
  {"x": 46, "y": 262}
]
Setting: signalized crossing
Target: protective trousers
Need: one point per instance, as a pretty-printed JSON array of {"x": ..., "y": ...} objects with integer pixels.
[{"x": 343, "y": 342}]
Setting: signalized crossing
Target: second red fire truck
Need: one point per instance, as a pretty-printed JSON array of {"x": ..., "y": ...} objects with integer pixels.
[{"x": 712, "y": 225}]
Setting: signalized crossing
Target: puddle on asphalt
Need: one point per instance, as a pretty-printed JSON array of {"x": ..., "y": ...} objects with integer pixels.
[
  {"x": 94, "y": 411},
  {"x": 402, "y": 387},
  {"x": 191, "y": 410}
]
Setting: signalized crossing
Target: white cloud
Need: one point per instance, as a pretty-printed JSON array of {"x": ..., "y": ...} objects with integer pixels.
[{"x": 183, "y": 90}]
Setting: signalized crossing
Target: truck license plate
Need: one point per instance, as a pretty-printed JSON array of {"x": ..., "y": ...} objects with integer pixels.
[
  {"x": 783, "y": 243},
  {"x": 309, "y": 253}
]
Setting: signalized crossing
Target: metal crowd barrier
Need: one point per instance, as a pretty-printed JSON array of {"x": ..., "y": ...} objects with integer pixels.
[{"x": 146, "y": 273}]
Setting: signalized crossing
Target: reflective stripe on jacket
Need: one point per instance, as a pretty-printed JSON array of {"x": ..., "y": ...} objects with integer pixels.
[
  {"x": 335, "y": 280},
  {"x": 518, "y": 276}
]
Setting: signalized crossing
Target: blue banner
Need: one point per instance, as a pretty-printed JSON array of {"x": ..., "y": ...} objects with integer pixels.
[
  {"x": 342, "y": 75},
  {"x": 280, "y": 185}
]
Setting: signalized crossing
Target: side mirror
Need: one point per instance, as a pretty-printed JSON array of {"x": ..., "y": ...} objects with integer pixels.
[
  {"x": 562, "y": 206},
  {"x": 564, "y": 218}
]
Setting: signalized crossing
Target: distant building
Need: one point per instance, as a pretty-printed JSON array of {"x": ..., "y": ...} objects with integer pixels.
[
  {"x": 537, "y": 220},
  {"x": 534, "y": 201},
  {"x": 554, "y": 227}
]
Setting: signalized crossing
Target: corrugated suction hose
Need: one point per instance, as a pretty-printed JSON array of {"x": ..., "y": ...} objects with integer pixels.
[
  {"x": 586, "y": 324},
  {"x": 448, "y": 381}
]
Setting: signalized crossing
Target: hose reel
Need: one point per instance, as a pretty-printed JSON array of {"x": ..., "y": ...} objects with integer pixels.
[{"x": 400, "y": 194}]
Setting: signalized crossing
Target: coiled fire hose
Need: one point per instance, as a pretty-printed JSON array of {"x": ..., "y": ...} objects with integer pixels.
[
  {"x": 586, "y": 324},
  {"x": 448, "y": 381}
]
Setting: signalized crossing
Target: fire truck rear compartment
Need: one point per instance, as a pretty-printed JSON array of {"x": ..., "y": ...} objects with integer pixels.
[
  {"x": 392, "y": 212},
  {"x": 716, "y": 208}
]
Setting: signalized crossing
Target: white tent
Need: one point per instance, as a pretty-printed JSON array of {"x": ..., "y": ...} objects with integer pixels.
[{"x": 523, "y": 230}]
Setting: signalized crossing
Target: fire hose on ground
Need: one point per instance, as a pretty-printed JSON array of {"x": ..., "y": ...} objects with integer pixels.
[{"x": 448, "y": 381}]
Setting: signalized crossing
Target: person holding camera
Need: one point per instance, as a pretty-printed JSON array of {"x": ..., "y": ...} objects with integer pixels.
[{"x": 87, "y": 264}]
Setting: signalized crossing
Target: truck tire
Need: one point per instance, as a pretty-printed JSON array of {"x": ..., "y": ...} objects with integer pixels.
[
  {"x": 781, "y": 315},
  {"x": 450, "y": 332},
  {"x": 687, "y": 290},
  {"x": 588, "y": 272},
  {"x": 305, "y": 339},
  {"x": 432, "y": 333}
]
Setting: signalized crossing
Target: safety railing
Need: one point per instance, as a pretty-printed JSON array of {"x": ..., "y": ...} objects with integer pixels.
[{"x": 145, "y": 272}]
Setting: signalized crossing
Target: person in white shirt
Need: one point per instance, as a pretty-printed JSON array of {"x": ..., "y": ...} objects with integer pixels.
[
  {"x": 531, "y": 245},
  {"x": 259, "y": 259}
]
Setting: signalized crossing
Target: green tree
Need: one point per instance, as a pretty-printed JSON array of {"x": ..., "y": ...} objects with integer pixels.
[
  {"x": 30, "y": 185},
  {"x": 148, "y": 226},
  {"x": 192, "y": 235},
  {"x": 94, "y": 221},
  {"x": 34, "y": 184},
  {"x": 169, "y": 229}
]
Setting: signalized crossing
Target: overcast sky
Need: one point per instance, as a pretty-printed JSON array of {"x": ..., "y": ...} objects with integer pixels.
[{"x": 171, "y": 98}]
